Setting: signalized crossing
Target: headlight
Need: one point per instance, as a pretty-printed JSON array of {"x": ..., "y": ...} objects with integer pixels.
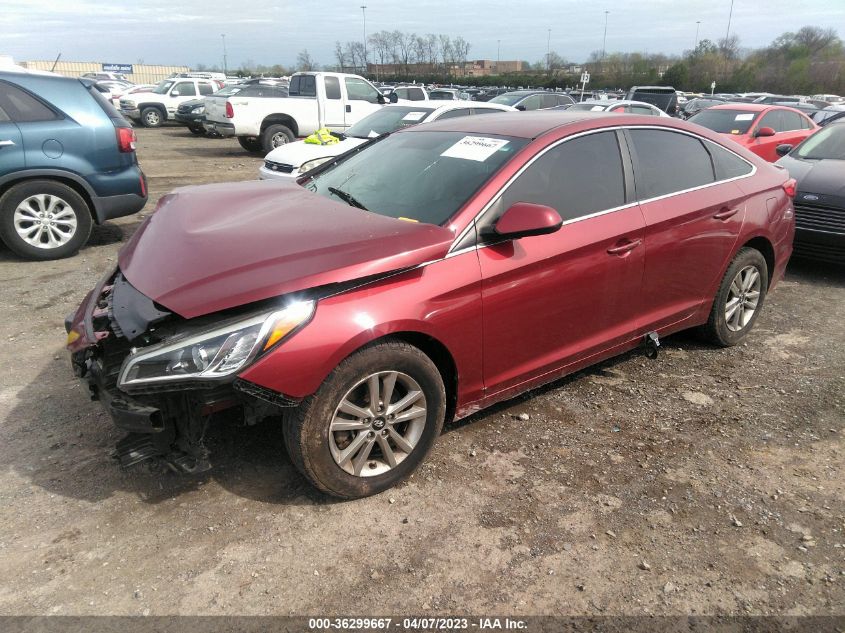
[
  {"x": 214, "y": 353},
  {"x": 311, "y": 164},
  {"x": 128, "y": 104},
  {"x": 198, "y": 110}
]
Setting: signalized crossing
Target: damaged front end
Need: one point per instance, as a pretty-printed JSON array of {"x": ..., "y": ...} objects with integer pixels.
[{"x": 161, "y": 377}]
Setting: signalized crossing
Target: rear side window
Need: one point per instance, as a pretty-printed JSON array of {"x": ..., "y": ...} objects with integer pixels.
[
  {"x": 303, "y": 86},
  {"x": 185, "y": 89},
  {"x": 22, "y": 107},
  {"x": 792, "y": 120},
  {"x": 667, "y": 162},
  {"x": 332, "y": 88},
  {"x": 727, "y": 164},
  {"x": 206, "y": 89},
  {"x": 564, "y": 178}
]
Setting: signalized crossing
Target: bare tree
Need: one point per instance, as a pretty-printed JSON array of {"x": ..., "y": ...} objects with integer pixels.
[
  {"x": 340, "y": 55},
  {"x": 304, "y": 61}
]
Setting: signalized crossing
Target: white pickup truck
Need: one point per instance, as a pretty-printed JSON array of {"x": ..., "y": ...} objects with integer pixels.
[
  {"x": 154, "y": 107},
  {"x": 315, "y": 100}
]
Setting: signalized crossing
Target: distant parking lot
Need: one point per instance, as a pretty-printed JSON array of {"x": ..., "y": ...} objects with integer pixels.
[{"x": 709, "y": 481}]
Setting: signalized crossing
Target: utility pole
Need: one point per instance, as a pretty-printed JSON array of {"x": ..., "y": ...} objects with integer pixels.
[
  {"x": 225, "y": 67},
  {"x": 697, "y": 26},
  {"x": 364, "y": 12},
  {"x": 604, "y": 41},
  {"x": 498, "y": 54}
]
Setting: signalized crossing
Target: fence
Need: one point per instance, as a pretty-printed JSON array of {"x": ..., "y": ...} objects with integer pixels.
[{"x": 141, "y": 73}]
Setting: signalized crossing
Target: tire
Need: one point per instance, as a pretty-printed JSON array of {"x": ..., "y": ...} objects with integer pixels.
[
  {"x": 250, "y": 143},
  {"x": 25, "y": 205},
  {"x": 199, "y": 131},
  {"x": 275, "y": 136},
  {"x": 328, "y": 459},
  {"x": 152, "y": 117},
  {"x": 725, "y": 327}
]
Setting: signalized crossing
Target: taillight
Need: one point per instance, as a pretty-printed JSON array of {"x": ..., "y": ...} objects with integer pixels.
[
  {"x": 126, "y": 139},
  {"x": 230, "y": 111},
  {"x": 790, "y": 187}
]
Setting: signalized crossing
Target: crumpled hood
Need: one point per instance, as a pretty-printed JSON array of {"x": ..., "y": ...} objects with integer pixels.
[
  {"x": 300, "y": 152},
  {"x": 213, "y": 247}
]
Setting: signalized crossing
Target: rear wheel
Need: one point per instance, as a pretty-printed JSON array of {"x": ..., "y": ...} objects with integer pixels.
[
  {"x": 739, "y": 300},
  {"x": 151, "y": 117},
  {"x": 43, "y": 219},
  {"x": 276, "y": 136},
  {"x": 250, "y": 143},
  {"x": 371, "y": 423}
]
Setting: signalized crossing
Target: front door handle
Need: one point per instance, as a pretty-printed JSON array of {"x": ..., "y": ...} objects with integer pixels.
[
  {"x": 627, "y": 247},
  {"x": 349, "y": 108},
  {"x": 725, "y": 213},
  {"x": 6, "y": 143}
]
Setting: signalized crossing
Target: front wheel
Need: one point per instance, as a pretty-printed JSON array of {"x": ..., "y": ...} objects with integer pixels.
[
  {"x": 151, "y": 117},
  {"x": 371, "y": 423},
  {"x": 739, "y": 299}
]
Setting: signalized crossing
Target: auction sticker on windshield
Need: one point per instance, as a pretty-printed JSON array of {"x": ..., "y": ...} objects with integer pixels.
[
  {"x": 413, "y": 116},
  {"x": 744, "y": 117},
  {"x": 476, "y": 148}
]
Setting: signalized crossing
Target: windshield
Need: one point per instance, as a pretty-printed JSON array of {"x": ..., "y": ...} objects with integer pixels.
[
  {"x": 163, "y": 87},
  {"x": 418, "y": 176},
  {"x": 725, "y": 121},
  {"x": 388, "y": 119},
  {"x": 508, "y": 99},
  {"x": 829, "y": 143}
]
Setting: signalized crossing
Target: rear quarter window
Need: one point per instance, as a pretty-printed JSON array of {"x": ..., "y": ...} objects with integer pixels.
[
  {"x": 727, "y": 164},
  {"x": 22, "y": 107}
]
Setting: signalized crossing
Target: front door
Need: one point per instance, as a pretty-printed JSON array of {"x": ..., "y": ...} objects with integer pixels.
[
  {"x": 361, "y": 99},
  {"x": 551, "y": 300}
]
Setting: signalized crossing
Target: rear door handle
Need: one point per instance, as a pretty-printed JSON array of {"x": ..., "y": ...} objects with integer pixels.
[
  {"x": 726, "y": 213},
  {"x": 624, "y": 248},
  {"x": 6, "y": 143}
]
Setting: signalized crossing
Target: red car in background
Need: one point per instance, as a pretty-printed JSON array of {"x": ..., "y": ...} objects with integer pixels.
[
  {"x": 425, "y": 275},
  {"x": 759, "y": 128}
]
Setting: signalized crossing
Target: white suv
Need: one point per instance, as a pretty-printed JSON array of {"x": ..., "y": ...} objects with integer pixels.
[{"x": 153, "y": 108}]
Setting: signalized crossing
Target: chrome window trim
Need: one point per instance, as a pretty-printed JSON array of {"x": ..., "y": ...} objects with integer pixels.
[{"x": 536, "y": 157}]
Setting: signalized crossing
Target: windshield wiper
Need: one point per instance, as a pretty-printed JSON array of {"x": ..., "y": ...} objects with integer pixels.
[{"x": 348, "y": 198}]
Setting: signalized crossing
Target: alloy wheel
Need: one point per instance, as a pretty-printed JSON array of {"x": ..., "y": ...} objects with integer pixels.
[
  {"x": 152, "y": 118},
  {"x": 743, "y": 297},
  {"x": 377, "y": 423},
  {"x": 279, "y": 139},
  {"x": 45, "y": 221}
]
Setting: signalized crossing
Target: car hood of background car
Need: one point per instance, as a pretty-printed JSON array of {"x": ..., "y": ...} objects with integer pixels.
[
  {"x": 214, "y": 247},
  {"x": 818, "y": 177},
  {"x": 300, "y": 152}
]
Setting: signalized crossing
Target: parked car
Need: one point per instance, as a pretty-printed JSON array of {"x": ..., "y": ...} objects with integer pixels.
[
  {"x": 294, "y": 159},
  {"x": 408, "y": 93},
  {"x": 104, "y": 76},
  {"x": 130, "y": 90},
  {"x": 111, "y": 89},
  {"x": 694, "y": 106},
  {"x": 664, "y": 97},
  {"x": 154, "y": 108},
  {"x": 832, "y": 99},
  {"x": 448, "y": 94},
  {"x": 818, "y": 164},
  {"x": 191, "y": 114},
  {"x": 67, "y": 161},
  {"x": 828, "y": 115},
  {"x": 806, "y": 108},
  {"x": 422, "y": 277},
  {"x": 527, "y": 100},
  {"x": 758, "y": 127},
  {"x": 618, "y": 107},
  {"x": 780, "y": 99},
  {"x": 315, "y": 100}
]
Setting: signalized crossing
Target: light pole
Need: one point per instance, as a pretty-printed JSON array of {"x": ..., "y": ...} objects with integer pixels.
[
  {"x": 498, "y": 53},
  {"x": 697, "y": 26},
  {"x": 604, "y": 41},
  {"x": 549, "y": 51},
  {"x": 225, "y": 68},
  {"x": 364, "y": 13},
  {"x": 728, "y": 33}
]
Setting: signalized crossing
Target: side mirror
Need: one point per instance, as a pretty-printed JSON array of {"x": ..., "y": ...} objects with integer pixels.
[
  {"x": 783, "y": 149},
  {"x": 175, "y": 93},
  {"x": 765, "y": 131},
  {"x": 381, "y": 99},
  {"x": 521, "y": 108},
  {"x": 524, "y": 219},
  {"x": 394, "y": 98}
]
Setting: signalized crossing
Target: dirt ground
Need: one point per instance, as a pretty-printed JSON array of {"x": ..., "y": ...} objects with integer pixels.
[{"x": 707, "y": 482}]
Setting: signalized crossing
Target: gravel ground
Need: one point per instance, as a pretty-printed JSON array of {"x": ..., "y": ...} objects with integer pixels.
[{"x": 708, "y": 481}]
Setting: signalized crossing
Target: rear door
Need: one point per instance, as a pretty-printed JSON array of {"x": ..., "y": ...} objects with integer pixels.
[
  {"x": 11, "y": 144},
  {"x": 550, "y": 300},
  {"x": 692, "y": 219}
]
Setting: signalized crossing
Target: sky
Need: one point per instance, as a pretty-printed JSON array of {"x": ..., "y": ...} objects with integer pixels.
[{"x": 273, "y": 31}]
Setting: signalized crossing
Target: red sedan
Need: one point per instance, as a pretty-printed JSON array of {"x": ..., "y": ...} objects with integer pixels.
[
  {"x": 422, "y": 277},
  {"x": 757, "y": 127}
]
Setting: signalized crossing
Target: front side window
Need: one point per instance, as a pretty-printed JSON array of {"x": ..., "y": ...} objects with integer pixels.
[
  {"x": 774, "y": 120},
  {"x": 360, "y": 90},
  {"x": 564, "y": 178},
  {"x": 22, "y": 107},
  {"x": 163, "y": 87},
  {"x": 419, "y": 176},
  {"x": 667, "y": 162},
  {"x": 534, "y": 102}
]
